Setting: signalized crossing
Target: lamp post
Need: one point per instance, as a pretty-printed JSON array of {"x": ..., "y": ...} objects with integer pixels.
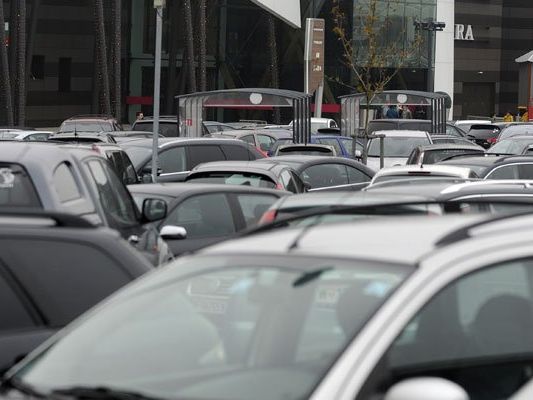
[
  {"x": 158, "y": 5},
  {"x": 430, "y": 26}
]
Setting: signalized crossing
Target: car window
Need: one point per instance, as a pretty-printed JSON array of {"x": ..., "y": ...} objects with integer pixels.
[
  {"x": 236, "y": 152},
  {"x": 349, "y": 144},
  {"x": 325, "y": 175},
  {"x": 115, "y": 199},
  {"x": 203, "y": 154},
  {"x": 37, "y": 137},
  {"x": 123, "y": 167},
  {"x": 453, "y": 131},
  {"x": 64, "y": 278},
  {"x": 253, "y": 206},
  {"x": 474, "y": 332},
  {"x": 288, "y": 181},
  {"x": 505, "y": 172},
  {"x": 172, "y": 160},
  {"x": 204, "y": 216},
  {"x": 16, "y": 187},
  {"x": 65, "y": 184},
  {"x": 265, "y": 142},
  {"x": 356, "y": 176},
  {"x": 332, "y": 142},
  {"x": 396, "y": 146},
  {"x": 248, "y": 139},
  {"x": 525, "y": 171},
  {"x": 13, "y": 312}
]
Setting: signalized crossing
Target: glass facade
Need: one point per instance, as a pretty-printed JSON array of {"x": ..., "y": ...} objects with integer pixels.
[{"x": 385, "y": 29}]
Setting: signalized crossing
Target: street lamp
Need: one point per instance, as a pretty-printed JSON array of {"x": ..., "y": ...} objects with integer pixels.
[
  {"x": 158, "y": 5},
  {"x": 430, "y": 26}
]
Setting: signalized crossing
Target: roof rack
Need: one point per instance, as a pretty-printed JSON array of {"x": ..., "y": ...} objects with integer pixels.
[{"x": 62, "y": 220}]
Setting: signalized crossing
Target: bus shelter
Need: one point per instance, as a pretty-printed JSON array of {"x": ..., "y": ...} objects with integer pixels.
[
  {"x": 191, "y": 108},
  {"x": 428, "y": 106}
]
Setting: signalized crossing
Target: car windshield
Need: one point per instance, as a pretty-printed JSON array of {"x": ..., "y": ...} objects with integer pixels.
[
  {"x": 86, "y": 126},
  {"x": 396, "y": 146},
  {"x": 516, "y": 130},
  {"x": 229, "y": 327},
  {"x": 233, "y": 178}
]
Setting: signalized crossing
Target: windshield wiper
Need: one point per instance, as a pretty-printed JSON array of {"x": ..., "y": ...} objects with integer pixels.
[
  {"x": 19, "y": 385},
  {"x": 100, "y": 393}
]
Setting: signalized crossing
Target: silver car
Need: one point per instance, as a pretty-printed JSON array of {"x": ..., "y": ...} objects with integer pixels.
[{"x": 443, "y": 311}]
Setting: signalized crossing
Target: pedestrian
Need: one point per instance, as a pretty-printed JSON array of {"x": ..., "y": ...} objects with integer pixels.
[
  {"x": 139, "y": 115},
  {"x": 508, "y": 117},
  {"x": 525, "y": 117},
  {"x": 407, "y": 114},
  {"x": 392, "y": 112}
]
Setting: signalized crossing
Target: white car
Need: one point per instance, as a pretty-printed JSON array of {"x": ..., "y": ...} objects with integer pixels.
[
  {"x": 320, "y": 123},
  {"x": 430, "y": 171},
  {"x": 388, "y": 308},
  {"x": 398, "y": 145},
  {"x": 466, "y": 124}
]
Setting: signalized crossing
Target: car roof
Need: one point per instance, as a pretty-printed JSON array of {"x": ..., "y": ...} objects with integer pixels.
[
  {"x": 179, "y": 189},
  {"x": 490, "y": 187},
  {"x": 408, "y": 238},
  {"x": 401, "y": 170},
  {"x": 19, "y": 152},
  {"x": 302, "y": 159},
  {"x": 249, "y": 166},
  {"x": 450, "y": 146},
  {"x": 522, "y": 138},
  {"x": 488, "y": 160},
  {"x": 163, "y": 142},
  {"x": 402, "y": 133}
]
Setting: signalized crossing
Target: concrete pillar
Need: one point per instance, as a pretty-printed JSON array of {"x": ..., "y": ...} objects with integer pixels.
[{"x": 444, "y": 49}]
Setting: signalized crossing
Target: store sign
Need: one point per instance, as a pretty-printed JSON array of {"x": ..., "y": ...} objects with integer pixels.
[
  {"x": 464, "y": 32},
  {"x": 314, "y": 52}
]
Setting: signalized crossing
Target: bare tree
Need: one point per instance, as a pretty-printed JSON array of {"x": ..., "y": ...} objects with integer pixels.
[
  {"x": 203, "y": 44},
  {"x": 380, "y": 55},
  {"x": 117, "y": 58},
  {"x": 174, "y": 18},
  {"x": 5, "y": 83},
  {"x": 34, "y": 18},
  {"x": 101, "y": 57},
  {"x": 189, "y": 36},
  {"x": 21, "y": 64}
]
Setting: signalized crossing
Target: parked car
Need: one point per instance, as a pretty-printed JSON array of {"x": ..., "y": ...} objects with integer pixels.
[
  {"x": 496, "y": 167},
  {"x": 90, "y": 123},
  {"x": 513, "y": 145},
  {"x": 319, "y": 123},
  {"x": 433, "y": 153},
  {"x": 484, "y": 135},
  {"x": 437, "y": 139},
  {"x": 269, "y": 175},
  {"x": 178, "y": 156},
  {"x": 466, "y": 124},
  {"x": 28, "y": 136},
  {"x": 319, "y": 172},
  {"x": 82, "y": 137},
  {"x": 262, "y": 139},
  {"x": 203, "y": 214},
  {"x": 431, "y": 171},
  {"x": 315, "y": 312},
  {"x": 516, "y": 129},
  {"x": 55, "y": 267},
  {"x": 118, "y": 135},
  {"x": 342, "y": 144},
  {"x": 309, "y": 149},
  {"x": 168, "y": 125},
  {"x": 398, "y": 145},
  {"x": 214, "y": 127},
  {"x": 80, "y": 182}
]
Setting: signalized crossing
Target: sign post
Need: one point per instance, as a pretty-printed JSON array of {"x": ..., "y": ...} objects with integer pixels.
[
  {"x": 158, "y": 5},
  {"x": 314, "y": 60}
]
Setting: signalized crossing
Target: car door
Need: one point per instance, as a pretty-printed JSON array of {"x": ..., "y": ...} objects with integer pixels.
[
  {"x": 476, "y": 332},
  {"x": 207, "y": 218},
  {"x": 21, "y": 327}
]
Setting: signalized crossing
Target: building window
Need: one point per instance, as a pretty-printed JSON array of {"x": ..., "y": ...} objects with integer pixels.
[
  {"x": 37, "y": 67},
  {"x": 64, "y": 74}
]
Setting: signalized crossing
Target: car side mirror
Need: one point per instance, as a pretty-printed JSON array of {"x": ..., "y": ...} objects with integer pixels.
[
  {"x": 171, "y": 232},
  {"x": 154, "y": 209},
  {"x": 426, "y": 389},
  {"x": 307, "y": 186}
]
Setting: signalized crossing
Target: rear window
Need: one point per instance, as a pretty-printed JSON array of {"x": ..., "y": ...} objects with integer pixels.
[
  {"x": 16, "y": 187},
  {"x": 233, "y": 178},
  {"x": 306, "y": 151},
  {"x": 434, "y": 156},
  {"x": 167, "y": 129}
]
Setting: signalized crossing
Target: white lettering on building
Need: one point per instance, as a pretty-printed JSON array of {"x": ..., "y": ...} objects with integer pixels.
[{"x": 464, "y": 32}]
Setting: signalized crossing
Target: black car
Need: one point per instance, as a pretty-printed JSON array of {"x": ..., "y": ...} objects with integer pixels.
[
  {"x": 81, "y": 182},
  {"x": 205, "y": 213},
  {"x": 327, "y": 172},
  {"x": 268, "y": 175},
  {"x": 178, "y": 156},
  {"x": 496, "y": 167},
  {"x": 53, "y": 267},
  {"x": 484, "y": 135},
  {"x": 433, "y": 153}
]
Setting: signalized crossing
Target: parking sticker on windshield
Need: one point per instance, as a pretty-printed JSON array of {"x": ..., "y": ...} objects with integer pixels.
[{"x": 7, "y": 178}]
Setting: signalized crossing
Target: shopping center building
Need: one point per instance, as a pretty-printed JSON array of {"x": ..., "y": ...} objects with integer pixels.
[{"x": 474, "y": 57}]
